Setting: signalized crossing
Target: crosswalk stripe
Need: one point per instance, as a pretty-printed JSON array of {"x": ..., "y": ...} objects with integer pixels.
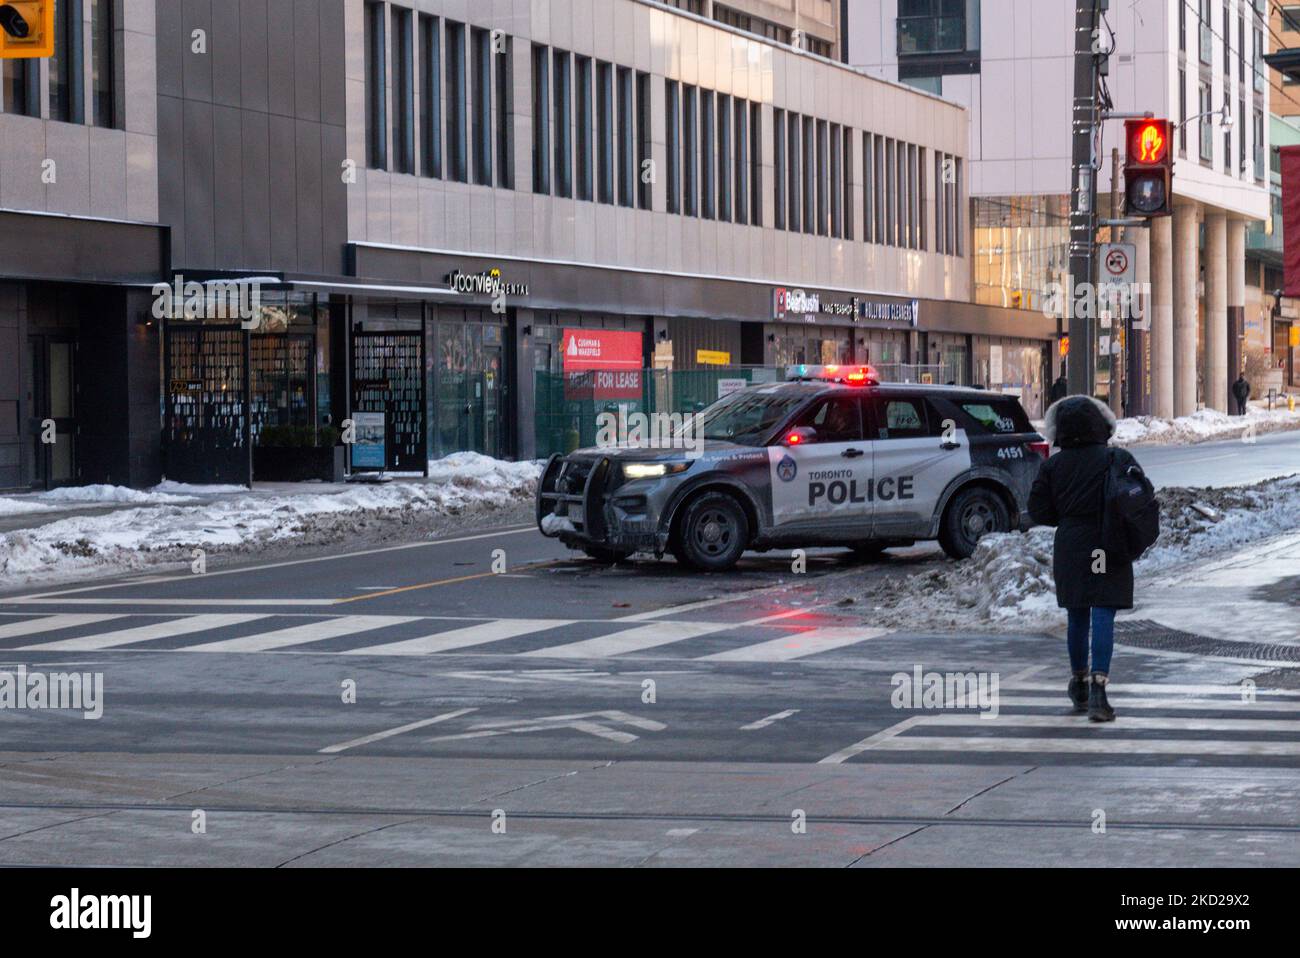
[
  {"x": 1124, "y": 702},
  {"x": 650, "y": 637},
  {"x": 300, "y": 634},
  {"x": 159, "y": 630},
  {"x": 51, "y": 623},
  {"x": 1101, "y": 744},
  {"x": 463, "y": 638},
  {"x": 1178, "y": 724},
  {"x": 796, "y": 646},
  {"x": 1118, "y": 687}
]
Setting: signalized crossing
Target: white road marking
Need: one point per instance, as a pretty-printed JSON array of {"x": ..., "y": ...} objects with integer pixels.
[
  {"x": 52, "y": 624},
  {"x": 582, "y": 722},
  {"x": 1117, "y": 687},
  {"x": 301, "y": 634},
  {"x": 649, "y": 637},
  {"x": 145, "y": 633},
  {"x": 1103, "y": 743},
  {"x": 871, "y": 741},
  {"x": 179, "y": 602},
  {"x": 367, "y": 739},
  {"x": 1177, "y": 724},
  {"x": 796, "y": 646},
  {"x": 494, "y": 631},
  {"x": 770, "y": 720},
  {"x": 1125, "y": 702},
  {"x": 681, "y": 832}
]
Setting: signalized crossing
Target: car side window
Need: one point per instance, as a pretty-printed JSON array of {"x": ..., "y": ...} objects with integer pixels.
[
  {"x": 900, "y": 418},
  {"x": 836, "y": 419}
]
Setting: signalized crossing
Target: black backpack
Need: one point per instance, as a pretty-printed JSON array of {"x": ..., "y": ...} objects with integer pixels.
[{"x": 1130, "y": 518}]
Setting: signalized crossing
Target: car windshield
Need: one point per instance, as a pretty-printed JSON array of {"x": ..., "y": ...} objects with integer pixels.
[{"x": 745, "y": 417}]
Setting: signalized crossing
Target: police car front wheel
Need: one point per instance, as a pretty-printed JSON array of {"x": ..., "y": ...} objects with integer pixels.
[
  {"x": 972, "y": 514},
  {"x": 713, "y": 533}
]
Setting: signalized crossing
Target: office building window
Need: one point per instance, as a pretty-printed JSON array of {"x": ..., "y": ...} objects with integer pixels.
[
  {"x": 837, "y": 181},
  {"x": 929, "y": 27},
  {"x": 541, "y": 120},
  {"x": 673, "y": 135},
  {"x": 20, "y": 87},
  {"x": 1182, "y": 111},
  {"x": 403, "y": 90},
  {"x": 1290, "y": 18},
  {"x": 430, "y": 96},
  {"x": 690, "y": 6},
  {"x": 891, "y": 193},
  {"x": 914, "y": 195},
  {"x": 778, "y": 168},
  {"x": 751, "y": 24},
  {"x": 505, "y": 99},
  {"x": 1258, "y": 59},
  {"x": 922, "y": 171},
  {"x": 707, "y": 157},
  {"x": 482, "y": 106},
  {"x": 562, "y": 175},
  {"x": 1241, "y": 47},
  {"x": 690, "y": 149},
  {"x": 1241, "y": 137},
  {"x": 457, "y": 147},
  {"x": 626, "y": 138},
  {"x": 604, "y": 132},
  {"x": 1182, "y": 24},
  {"x": 955, "y": 242},
  {"x": 376, "y": 87},
  {"x": 1259, "y": 146},
  {"x": 1205, "y": 47},
  {"x": 795, "y": 180},
  {"x": 904, "y": 197},
  {"x": 67, "y": 98},
  {"x": 940, "y": 200},
  {"x": 822, "y": 133},
  {"x": 756, "y": 164},
  {"x": 583, "y": 122},
  {"x": 810, "y": 175},
  {"x": 724, "y": 157},
  {"x": 644, "y": 129},
  {"x": 102, "y": 64},
  {"x": 846, "y": 172},
  {"x": 1206, "y": 124},
  {"x": 868, "y": 189},
  {"x": 740, "y": 111}
]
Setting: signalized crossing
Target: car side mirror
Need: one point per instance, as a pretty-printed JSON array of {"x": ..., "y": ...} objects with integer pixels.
[{"x": 801, "y": 436}]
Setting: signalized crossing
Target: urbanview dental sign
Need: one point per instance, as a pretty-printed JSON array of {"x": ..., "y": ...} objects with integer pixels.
[
  {"x": 487, "y": 283},
  {"x": 813, "y": 306}
]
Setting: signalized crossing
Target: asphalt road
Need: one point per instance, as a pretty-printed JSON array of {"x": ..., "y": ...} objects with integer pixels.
[{"x": 404, "y": 704}]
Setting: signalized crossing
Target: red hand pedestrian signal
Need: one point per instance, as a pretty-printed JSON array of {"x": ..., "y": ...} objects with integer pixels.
[{"x": 1148, "y": 168}]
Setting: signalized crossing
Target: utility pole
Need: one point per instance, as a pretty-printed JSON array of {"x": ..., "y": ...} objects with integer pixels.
[{"x": 1082, "y": 361}]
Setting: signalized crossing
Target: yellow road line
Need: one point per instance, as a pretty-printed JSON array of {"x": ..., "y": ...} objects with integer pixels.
[{"x": 438, "y": 582}]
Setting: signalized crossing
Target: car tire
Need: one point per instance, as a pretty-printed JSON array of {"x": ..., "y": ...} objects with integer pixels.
[
  {"x": 972, "y": 514},
  {"x": 606, "y": 556},
  {"x": 713, "y": 533}
]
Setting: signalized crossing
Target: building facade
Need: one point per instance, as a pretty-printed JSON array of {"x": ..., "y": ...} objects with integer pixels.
[
  {"x": 427, "y": 204},
  {"x": 1010, "y": 62}
]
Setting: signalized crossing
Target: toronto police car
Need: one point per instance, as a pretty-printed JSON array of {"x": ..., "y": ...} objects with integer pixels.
[{"x": 832, "y": 457}]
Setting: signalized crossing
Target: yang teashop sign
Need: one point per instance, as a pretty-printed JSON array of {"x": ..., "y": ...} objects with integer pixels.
[{"x": 602, "y": 364}]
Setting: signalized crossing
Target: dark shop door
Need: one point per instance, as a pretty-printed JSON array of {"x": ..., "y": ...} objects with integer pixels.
[
  {"x": 54, "y": 410},
  {"x": 388, "y": 377},
  {"x": 206, "y": 428}
]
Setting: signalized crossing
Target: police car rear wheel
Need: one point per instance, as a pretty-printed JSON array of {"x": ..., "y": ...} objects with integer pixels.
[
  {"x": 972, "y": 514},
  {"x": 714, "y": 533}
]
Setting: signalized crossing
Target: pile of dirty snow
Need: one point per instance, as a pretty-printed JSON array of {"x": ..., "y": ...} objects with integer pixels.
[
  {"x": 138, "y": 538},
  {"x": 1204, "y": 425}
]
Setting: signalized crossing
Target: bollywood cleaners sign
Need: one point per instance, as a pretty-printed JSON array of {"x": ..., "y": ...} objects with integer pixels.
[{"x": 602, "y": 364}]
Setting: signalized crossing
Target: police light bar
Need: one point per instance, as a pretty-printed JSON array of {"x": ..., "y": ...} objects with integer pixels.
[{"x": 850, "y": 375}]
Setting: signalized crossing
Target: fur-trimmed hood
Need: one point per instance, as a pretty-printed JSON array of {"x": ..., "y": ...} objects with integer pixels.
[{"x": 1078, "y": 421}]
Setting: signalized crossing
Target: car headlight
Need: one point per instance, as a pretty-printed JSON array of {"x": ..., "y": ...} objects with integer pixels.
[{"x": 653, "y": 470}]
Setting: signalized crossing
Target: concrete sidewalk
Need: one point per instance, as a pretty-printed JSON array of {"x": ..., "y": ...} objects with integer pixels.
[{"x": 125, "y": 810}]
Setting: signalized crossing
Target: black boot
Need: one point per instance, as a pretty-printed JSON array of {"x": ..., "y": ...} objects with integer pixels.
[
  {"x": 1099, "y": 709},
  {"x": 1078, "y": 691}
]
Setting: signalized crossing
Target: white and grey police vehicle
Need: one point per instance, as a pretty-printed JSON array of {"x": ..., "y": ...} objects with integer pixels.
[{"x": 831, "y": 457}]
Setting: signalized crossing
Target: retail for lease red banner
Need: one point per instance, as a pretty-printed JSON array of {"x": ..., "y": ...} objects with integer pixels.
[
  {"x": 602, "y": 364},
  {"x": 1291, "y": 219},
  {"x": 601, "y": 349}
]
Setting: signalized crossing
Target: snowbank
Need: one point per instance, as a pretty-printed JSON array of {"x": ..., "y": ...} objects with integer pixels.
[
  {"x": 1204, "y": 425},
  {"x": 166, "y": 532},
  {"x": 1008, "y": 582}
]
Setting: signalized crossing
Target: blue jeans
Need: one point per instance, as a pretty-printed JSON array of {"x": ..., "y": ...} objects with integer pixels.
[{"x": 1103, "y": 638}]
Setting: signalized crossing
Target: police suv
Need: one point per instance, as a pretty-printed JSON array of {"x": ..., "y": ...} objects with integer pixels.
[{"x": 832, "y": 457}]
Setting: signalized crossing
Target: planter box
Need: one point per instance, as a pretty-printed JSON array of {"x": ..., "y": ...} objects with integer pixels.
[{"x": 297, "y": 464}]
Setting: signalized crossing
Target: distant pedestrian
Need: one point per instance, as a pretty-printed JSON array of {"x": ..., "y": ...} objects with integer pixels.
[
  {"x": 1241, "y": 393},
  {"x": 1091, "y": 584},
  {"x": 1060, "y": 389}
]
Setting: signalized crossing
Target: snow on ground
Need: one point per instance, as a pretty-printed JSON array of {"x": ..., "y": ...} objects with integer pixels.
[
  {"x": 69, "y": 498},
  {"x": 1008, "y": 582},
  {"x": 166, "y": 531},
  {"x": 1203, "y": 425},
  {"x": 190, "y": 489}
]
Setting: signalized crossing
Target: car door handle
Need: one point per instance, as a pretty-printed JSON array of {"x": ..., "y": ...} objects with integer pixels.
[{"x": 852, "y": 453}]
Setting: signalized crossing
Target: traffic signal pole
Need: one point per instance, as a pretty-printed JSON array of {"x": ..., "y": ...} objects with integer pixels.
[{"x": 1082, "y": 361}]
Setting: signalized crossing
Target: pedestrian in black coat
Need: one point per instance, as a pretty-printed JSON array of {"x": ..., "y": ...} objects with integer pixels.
[
  {"x": 1241, "y": 393},
  {"x": 1090, "y": 584},
  {"x": 1060, "y": 389}
]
